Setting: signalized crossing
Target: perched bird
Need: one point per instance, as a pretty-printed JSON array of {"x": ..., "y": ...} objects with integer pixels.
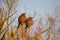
[
  {"x": 21, "y": 19},
  {"x": 29, "y": 22}
]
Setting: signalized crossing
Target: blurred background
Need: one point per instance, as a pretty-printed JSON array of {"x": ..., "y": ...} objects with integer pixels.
[{"x": 45, "y": 13}]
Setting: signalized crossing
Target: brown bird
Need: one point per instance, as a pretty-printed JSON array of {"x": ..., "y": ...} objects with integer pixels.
[
  {"x": 29, "y": 22},
  {"x": 21, "y": 19}
]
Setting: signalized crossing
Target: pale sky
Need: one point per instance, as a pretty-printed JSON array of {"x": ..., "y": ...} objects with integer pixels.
[{"x": 39, "y": 6}]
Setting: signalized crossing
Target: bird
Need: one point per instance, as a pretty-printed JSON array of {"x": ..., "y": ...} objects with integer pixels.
[
  {"x": 29, "y": 22},
  {"x": 21, "y": 19}
]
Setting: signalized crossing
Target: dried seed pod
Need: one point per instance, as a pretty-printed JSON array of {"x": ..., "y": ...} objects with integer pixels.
[
  {"x": 29, "y": 22},
  {"x": 21, "y": 19}
]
